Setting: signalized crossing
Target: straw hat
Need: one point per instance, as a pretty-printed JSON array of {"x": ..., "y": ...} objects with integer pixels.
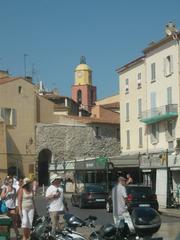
[
  {"x": 26, "y": 181},
  {"x": 54, "y": 177}
]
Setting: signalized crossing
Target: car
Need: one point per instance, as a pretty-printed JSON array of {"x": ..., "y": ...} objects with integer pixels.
[
  {"x": 137, "y": 196},
  {"x": 91, "y": 195}
]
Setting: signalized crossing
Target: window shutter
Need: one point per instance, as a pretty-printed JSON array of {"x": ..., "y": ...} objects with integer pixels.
[
  {"x": 169, "y": 95},
  {"x": 167, "y": 135},
  {"x": 165, "y": 72},
  {"x": 139, "y": 107},
  {"x": 127, "y": 111},
  {"x": 154, "y": 133},
  {"x": 151, "y": 134},
  {"x": 173, "y": 129},
  {"x": 140, "y": 137},
  {"x": 13, "y": 117},
  {"x": 157, "y": 132},
  {"x": 153, "y": 71},
  {"x": 128, "y": 138},
  {"x": 171, "y": 64}
]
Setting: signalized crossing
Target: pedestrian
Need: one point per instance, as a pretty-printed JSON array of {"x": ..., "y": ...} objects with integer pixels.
[
  {"x": 119, "y": 199},
  {"x": 5, "y": 182},
  {"x": 129, "y": 179},
  {"x": 54, "y": 195},
  {"x": 120, "y": 210},
  {"x": 18, "y": 187},
  {"x": 26, "y": 207},
  {"x": 9, "y": 196}
]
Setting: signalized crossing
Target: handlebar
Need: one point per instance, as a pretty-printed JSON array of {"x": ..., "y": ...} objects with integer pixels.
[
  {"x": 89, "y": 221},
  {"x": 91, "y": 218}
]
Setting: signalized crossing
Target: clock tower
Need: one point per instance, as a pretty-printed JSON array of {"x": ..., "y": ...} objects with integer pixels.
[{"x": 83, "y": 92}]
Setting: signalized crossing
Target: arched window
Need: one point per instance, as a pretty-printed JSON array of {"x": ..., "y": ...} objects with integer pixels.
[{"x": 79, "y": 96}]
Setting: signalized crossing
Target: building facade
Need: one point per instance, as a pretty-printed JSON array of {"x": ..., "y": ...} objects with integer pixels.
[
  {"x": 74, "y": 143},
  {"x": 21, "y": 108},
  {"x": 150, "y": 108}
]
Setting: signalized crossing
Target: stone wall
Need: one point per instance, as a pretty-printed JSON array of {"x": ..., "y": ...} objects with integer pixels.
[{"x": 77, "y": 140}]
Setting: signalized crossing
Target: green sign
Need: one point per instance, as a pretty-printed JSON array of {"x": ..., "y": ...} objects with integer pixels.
[{"x": 101, "y": 161}]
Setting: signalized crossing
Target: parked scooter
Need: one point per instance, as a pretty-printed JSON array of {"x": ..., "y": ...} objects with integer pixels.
[
  {"x": 146, "y": 222},
  {"x": 41, "y": 228}
]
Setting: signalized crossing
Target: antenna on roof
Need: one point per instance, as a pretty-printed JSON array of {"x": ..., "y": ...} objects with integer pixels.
[
  {"x": 25, "y": 58},
  {"x": 83, "y": 60}
]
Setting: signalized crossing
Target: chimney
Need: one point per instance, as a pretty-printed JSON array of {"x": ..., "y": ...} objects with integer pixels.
[
  {"x": 4, "y": 74},
  {"x": 28, "y": 78}
]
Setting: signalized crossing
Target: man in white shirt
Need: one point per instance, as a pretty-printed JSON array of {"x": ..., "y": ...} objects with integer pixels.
[
  {"x": 54, "y": 195},
  {"x": 119, "y": 199}
]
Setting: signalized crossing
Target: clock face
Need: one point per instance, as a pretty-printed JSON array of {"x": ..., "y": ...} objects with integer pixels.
[{"x": 79, "y": 74}]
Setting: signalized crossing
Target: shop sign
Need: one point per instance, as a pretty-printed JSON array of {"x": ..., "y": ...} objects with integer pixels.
[{"x": 101, "y": 161}]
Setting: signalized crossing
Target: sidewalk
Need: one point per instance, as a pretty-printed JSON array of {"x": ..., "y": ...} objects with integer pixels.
[{"x": 170, "y": 212}]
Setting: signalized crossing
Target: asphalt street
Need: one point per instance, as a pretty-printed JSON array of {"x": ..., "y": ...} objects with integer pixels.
[{"x": 170, "y": 228}]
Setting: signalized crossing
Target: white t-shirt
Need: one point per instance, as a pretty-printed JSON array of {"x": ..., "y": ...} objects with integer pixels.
[
  {"x": 55, "y": 204},
  {"x": 118, "y": 195}
]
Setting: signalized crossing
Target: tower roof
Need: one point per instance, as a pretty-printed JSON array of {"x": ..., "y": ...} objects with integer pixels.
[{"x": 83, "y": 67}]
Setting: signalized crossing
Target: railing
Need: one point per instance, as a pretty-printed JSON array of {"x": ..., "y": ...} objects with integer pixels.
[
  {"x": 159, "y": 113},
  {"x": 171, "y": 108}
]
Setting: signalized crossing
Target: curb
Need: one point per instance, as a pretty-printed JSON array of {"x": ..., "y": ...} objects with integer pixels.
[{"x": 170, "y": 213}]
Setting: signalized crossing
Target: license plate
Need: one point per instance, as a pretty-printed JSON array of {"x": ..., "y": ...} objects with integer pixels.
[
  {"x": 100, "y": 200},
  {"x": 144, "y": 205}
]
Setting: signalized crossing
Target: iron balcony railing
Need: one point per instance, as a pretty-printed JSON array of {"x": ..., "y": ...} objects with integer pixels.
[{"x": 159, "y": 113}]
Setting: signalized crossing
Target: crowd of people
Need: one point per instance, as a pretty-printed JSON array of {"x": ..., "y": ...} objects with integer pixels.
[{"x": 18, "y": 197}]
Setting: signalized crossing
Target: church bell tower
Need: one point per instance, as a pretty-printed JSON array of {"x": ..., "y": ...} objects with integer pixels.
[{"x": 83, "y": 92}]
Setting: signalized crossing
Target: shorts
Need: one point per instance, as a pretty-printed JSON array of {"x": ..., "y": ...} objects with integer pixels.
[{"x": 27, "y": 218}]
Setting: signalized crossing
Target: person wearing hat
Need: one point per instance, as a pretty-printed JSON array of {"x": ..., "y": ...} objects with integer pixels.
[
  {"x": 9, "y": 196},
  {"x": 54, "y": 195},
  {"x": 119, "y": 199},
  {"x": 26, "y": 207}
]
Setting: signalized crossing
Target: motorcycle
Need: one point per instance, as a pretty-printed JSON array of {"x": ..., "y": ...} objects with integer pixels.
[
  {"x": 146, "y": 222},
  {"x": 41, "y": 228}
]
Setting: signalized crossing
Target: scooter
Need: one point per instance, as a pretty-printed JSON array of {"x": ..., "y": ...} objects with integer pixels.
[{"x": 145, "y": 221}]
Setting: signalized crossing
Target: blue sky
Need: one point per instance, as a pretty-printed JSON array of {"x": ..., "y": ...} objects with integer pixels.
[{"x": 55, "y": 33}]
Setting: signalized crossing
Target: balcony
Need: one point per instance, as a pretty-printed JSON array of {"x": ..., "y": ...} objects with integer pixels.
[{"x": 159, "y": 114}]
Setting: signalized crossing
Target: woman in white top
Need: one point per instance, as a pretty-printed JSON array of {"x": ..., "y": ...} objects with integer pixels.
[
  {"x": 26, "y": 207},
  {"x": 9, "y": 196}
]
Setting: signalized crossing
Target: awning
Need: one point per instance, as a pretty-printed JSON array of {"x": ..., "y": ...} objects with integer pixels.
[{"x": 125, "y": 161}]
